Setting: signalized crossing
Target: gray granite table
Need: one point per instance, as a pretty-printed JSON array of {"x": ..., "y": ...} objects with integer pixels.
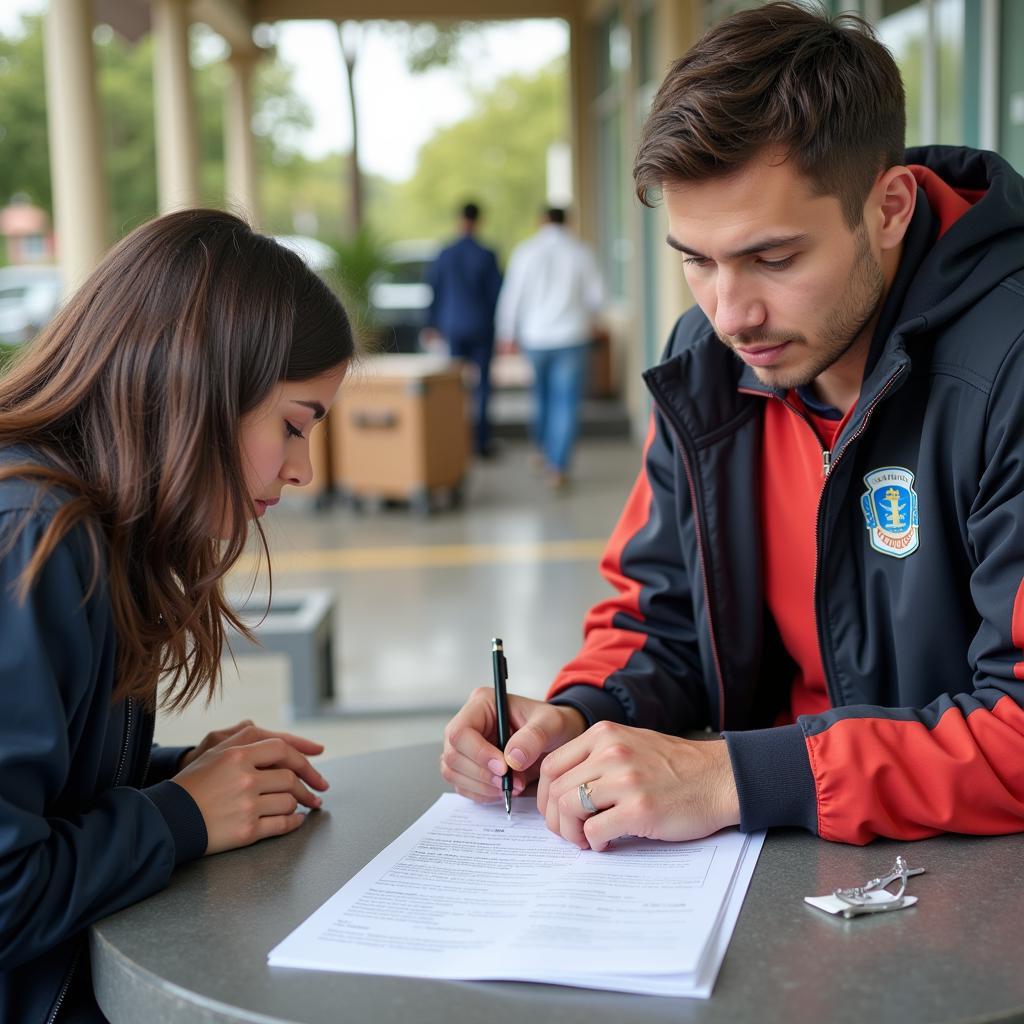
[{"x": 196, "y": 952}]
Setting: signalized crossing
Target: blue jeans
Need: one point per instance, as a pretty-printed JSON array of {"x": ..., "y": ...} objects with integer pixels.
[
  {"x": 477, "y": 349},
  {"x": 558, "y": 376}
]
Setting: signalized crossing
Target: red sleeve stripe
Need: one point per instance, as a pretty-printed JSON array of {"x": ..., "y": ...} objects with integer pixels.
[
  {"x": 1017, "y": 629},
  {"x": 607, "y": 649},
  {"x": 900, "y": 779}
]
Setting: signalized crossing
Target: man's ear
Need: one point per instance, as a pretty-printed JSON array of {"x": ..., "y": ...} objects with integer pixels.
[{"x": 890, "y": 206}]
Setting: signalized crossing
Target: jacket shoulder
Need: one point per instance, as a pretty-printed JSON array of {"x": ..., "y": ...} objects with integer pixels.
[{"x": 982, "y": 342}]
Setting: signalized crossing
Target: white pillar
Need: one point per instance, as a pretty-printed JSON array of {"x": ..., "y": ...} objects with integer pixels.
[
  {"x": 241, "y": 190},
  {"x": 76, "y": 166},
  {"x": 177, "y": 165}
]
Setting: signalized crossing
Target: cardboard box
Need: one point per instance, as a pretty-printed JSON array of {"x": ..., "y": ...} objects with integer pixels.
[{"x": 399, "y": 428}]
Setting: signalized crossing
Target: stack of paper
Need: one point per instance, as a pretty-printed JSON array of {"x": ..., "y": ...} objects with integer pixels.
[{"x": 464, "y": 893}]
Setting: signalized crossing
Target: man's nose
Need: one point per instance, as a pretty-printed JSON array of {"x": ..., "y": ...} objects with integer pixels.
[{"x": 738, "y": 310}]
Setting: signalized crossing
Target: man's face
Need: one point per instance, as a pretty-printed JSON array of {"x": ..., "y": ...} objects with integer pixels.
[{"x": 776, "y": 269}]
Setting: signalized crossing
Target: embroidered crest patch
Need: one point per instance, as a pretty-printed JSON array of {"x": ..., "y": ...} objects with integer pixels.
[{"x": 890, "y": 508}]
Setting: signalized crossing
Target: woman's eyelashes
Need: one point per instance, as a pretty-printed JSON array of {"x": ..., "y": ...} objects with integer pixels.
[{"x": 293, "y": 431}]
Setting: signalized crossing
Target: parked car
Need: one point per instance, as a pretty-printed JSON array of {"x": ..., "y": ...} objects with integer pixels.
[
  {"x": 400, "y": 296},
  {"x": 29, "y": 296}
]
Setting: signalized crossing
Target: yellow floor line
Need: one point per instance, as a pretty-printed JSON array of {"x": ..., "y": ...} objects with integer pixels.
[{"x": 427, "y": 556}]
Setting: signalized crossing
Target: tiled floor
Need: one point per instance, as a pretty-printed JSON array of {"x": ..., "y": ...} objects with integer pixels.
[{"x": 418, "y": 599}]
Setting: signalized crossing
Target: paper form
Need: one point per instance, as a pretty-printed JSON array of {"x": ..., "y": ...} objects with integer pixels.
[{"x": 465, "y": 893}]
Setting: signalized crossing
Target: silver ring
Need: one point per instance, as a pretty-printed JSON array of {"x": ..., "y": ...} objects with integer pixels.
[{"x": 588, "y": 804}]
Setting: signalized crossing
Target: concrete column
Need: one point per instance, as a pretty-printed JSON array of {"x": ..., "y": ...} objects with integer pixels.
[
  {"x": 581, "y": 128},
  {"x": 679, "y": 26},
  {"x": 241, "y": 191},
  {"x": 76, "y": 166},
  {"x": 177, "y": 165}
]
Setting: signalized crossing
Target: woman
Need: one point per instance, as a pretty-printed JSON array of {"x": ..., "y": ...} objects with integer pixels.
[{"x": 142, "y": 436}]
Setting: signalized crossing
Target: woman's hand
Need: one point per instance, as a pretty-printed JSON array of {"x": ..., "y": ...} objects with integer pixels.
[{"x": 249, "y": 782}]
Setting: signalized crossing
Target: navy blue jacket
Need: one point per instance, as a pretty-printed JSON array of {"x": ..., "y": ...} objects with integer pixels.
[
  {"x": 89, "y": 821},
  {"x": 924, "y": 653},
  {"x": 466, "y": 282}
]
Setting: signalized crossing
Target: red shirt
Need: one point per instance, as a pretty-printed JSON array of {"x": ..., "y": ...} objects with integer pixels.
[{"x": 792, "y": 475}]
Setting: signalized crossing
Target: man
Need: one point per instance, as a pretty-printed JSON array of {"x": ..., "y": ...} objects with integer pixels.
[
  {"x": 466, "y": 281},
  {"x": 822, "y": 557},
  {"x": 547, "y": 305}
]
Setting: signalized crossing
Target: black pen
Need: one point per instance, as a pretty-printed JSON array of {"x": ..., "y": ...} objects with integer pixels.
[{"x": 500, "y": 667}]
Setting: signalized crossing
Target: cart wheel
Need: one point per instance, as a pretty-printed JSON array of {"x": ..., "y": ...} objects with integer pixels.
[{"x": 419, "y": 502}]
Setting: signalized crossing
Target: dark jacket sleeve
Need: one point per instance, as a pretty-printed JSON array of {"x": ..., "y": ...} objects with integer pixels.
[
  {"x": 65, "y": 860},
  {"x": 639, "y": 663},
  {"x": 163, "y": 763}
]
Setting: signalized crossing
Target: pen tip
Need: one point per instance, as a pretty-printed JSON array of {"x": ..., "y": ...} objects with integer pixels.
[{"x": 508, "y": 805}]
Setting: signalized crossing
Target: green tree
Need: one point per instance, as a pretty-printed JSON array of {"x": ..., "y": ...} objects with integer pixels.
[
  {"x": 24, "y": 149},
  {"x": 497, "y": 155},
  {"x": 125, "y": 87}
]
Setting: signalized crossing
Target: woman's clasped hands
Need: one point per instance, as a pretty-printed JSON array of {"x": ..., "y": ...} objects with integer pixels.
[{"x": 249, "y": 782}]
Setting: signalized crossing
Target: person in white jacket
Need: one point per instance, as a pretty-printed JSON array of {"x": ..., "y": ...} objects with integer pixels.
[{"x": 551, "y": 295}]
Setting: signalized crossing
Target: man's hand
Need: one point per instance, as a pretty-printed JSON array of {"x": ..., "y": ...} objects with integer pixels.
[
  {"x": 643, "y": 784},
  {"x": 475, "y": 766},
  {"x": 248, "y": 783}
]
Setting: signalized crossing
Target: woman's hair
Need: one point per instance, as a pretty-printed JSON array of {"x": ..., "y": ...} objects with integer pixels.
[
  {"x": 133, "y": 397},
  {"x": 824, "y": 90}
]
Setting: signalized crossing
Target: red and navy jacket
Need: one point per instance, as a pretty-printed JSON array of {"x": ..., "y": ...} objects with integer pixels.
[{"x": 918, "y": 592}]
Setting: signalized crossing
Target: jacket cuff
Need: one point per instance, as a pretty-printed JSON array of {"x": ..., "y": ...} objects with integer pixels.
[
  {"x": 183, "y": 817},
  {"x": 163, "y": 762},
  {"x": 773, "y": 778},
  {"x": 592, "y": 702}
]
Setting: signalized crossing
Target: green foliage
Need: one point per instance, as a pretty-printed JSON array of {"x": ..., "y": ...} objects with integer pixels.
[
  {"x": 7, "y": 354},
  {"x": 496, "y": 156},
  {"x": 125, "y": 86},
  {"x": 24, "y": 147},
  {"x": 360, "y": 256}
]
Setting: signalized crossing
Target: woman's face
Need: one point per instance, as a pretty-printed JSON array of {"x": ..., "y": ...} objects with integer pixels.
[{"x": 275, "y": 436}]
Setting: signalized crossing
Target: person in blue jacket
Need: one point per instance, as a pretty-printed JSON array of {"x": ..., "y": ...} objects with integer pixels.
[
  {"x": 466, "y": 281},
  {"x": 142, "y": 436}
]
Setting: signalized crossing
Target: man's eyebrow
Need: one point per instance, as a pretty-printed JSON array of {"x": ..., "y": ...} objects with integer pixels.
[
  {"x": 775, "y": 242},
  {"x": 318, "y": 410}
]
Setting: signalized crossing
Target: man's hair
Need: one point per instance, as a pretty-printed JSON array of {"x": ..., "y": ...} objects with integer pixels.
[
  {"x": 470, "y": 212},
  {"x": 825, "y": 91},
  {"x": 555, "y": 215}
]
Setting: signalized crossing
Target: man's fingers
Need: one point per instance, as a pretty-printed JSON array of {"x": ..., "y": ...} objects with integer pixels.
[
  {"x": 456, "y": 766},
  {"x": 558, "y": 764},
  {"x": 463, "y": 774},
  {"x": 467, "y": 732},
  {"x": 602, "y": 829}
]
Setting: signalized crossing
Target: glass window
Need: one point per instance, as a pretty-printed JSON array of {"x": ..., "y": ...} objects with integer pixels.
[
  {"x": 905, "y": 33},
  {"x": 927, "y": 40},
  {"x": 949, "y": 47}
]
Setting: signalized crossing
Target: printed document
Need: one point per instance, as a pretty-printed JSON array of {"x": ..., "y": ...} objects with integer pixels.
[{"x": 465, "y": 893}]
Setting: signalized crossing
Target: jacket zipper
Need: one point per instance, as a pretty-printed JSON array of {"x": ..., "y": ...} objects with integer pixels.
[
  {"x": 65, "y": 986},
  {"x": 699, "y": 529},
  {"x": 122, "y": 761},
  {"x": 829, "y": 458},
  {"x": 829, "y": 464},
  {"x": 124, "y": 743}
]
